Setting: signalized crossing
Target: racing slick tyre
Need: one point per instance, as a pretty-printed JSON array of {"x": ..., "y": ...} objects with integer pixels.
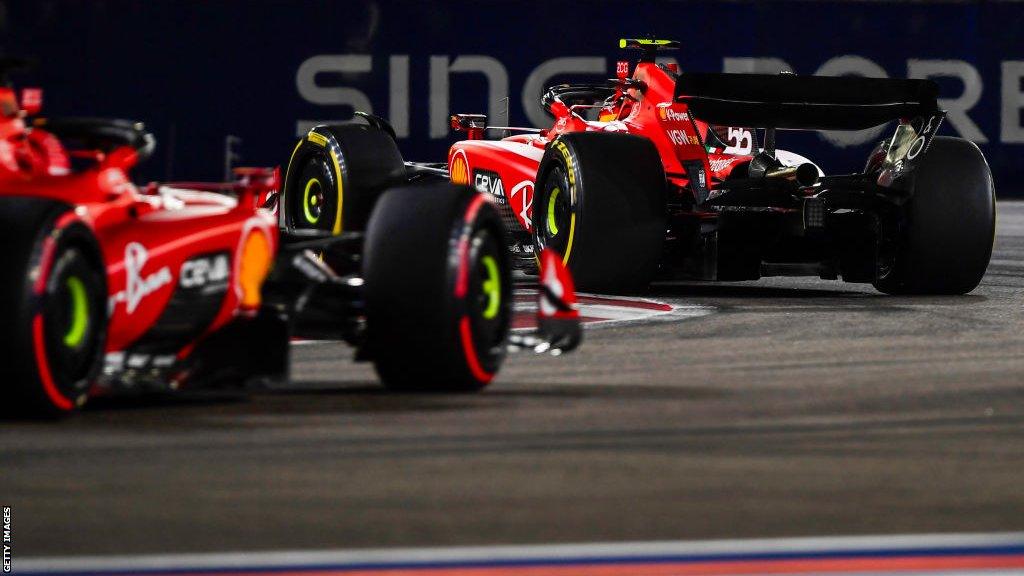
[
  {"x": 947, "y": 228},
  {"x": 54, "y": 318},
  {"x": 335, "y": 175},
  {"x": 438, "y": 289},
  {"x": 600, "y": 202}
]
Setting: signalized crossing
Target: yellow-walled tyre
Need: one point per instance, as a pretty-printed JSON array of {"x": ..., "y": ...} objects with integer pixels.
[
  {"x": 600, "y": 202},
  {"x": 335, "y": 175}
]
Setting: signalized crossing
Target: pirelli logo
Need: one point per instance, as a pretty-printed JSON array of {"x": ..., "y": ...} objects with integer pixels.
[{"x": 318, "y": 139}]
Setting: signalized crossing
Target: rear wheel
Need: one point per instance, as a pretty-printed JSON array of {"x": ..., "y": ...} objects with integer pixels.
[
  {"x": 438, "y": 289},
  {"x": 600, "y": 202},
  {"x": 55, "y": 325},
  {"x": 945, "y": 231},
  {"x": 335, "y": 175}
]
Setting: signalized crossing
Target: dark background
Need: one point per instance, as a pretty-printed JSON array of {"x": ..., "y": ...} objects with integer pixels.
[{"x": 198, "y": 70}]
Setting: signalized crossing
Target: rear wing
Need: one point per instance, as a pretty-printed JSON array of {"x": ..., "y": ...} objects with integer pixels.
[
  {"x": 792, "y": 102},
  {"x": 789, "y": 101}
]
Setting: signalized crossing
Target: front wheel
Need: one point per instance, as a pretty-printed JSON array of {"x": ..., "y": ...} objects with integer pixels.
[
  {"x": 438, "y": 289},
  {"x": 945, "y": 231},
  {"x": 335, "y": 175},
  {"x": 55, "y": 323}
]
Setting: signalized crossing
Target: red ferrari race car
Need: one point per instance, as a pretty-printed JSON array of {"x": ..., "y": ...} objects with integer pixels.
[
  {"x": 661, "y": 174},
  {"x": 108, "y": 287}
]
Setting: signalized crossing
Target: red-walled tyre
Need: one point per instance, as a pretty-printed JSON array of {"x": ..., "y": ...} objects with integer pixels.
[
  {"x": 438, "y": 289},
  {"x": 54, "y": 320}
]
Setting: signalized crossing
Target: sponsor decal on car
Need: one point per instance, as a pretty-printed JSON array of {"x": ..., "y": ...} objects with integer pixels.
[
  {"x": 137, "y": 286},
  {"x": 681, "y": 138},
  {"x": 458, "y": 172},
  {"x": 669, "y": 115},
  {"x": 210, "y": 271},
  {"x": 522, "y": 202},
  {"x": 488, "y": 182},
  {"x": 719, "y": 164},
  {"x": 739, "y": 140}
]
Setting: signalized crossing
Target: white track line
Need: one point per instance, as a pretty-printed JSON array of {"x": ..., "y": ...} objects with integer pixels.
[
  {"x": 608, "y": 314},
  {"x": 559, "y": 552}
]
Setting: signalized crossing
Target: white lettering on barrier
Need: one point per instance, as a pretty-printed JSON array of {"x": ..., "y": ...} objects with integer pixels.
[{"x": 353, "y": 68}]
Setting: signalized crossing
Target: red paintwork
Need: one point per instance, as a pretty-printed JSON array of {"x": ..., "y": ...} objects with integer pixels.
[
  {"x": 652, "y": 114},
  {"x": 170, "y": 222},
  {"x": 555, "y": 276}
]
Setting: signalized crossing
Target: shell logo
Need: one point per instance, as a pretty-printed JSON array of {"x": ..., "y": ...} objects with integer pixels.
[{"x": 459, "y": 170}]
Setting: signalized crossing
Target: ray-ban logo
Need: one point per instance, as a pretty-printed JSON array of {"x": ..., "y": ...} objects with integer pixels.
[{"x": 138, "y": 286}]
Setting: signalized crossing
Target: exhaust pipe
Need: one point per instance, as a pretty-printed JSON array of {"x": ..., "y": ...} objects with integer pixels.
[{"x": 804, "y": 175}]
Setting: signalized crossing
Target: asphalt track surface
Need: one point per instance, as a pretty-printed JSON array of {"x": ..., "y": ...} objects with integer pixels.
[{"x": 800, "y": 407}]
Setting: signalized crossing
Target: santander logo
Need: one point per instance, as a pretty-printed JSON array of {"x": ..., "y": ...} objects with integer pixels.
[{"x": 138, "y": 287}]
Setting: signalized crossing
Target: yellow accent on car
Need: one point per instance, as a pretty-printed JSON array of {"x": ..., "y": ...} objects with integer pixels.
[
  {"x": 318, "y": 139},
  {"x": 624, "y": 42}
]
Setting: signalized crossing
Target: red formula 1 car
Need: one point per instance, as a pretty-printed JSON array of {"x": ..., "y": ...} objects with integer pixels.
[
  {"x": 108, "y": 287},
  {"x": 660, "y": 174}
]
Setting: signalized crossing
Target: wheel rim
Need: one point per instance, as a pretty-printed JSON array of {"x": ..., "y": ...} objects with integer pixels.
[
  {"x": 491, "y": 287},
  {"x": 488, "y": 312},
  {"x": 312, "y": 200},
  {"x": 556, "y": 226},
  {"x": 73, "y": 318},
  {"x": 552, "y": 220},
  {"x": 78, "y": 324}
]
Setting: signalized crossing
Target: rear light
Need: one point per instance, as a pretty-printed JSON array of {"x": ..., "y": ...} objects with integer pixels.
[
  {"x": 32, "y": 100},
  {"x": 253, "y": 267}
]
